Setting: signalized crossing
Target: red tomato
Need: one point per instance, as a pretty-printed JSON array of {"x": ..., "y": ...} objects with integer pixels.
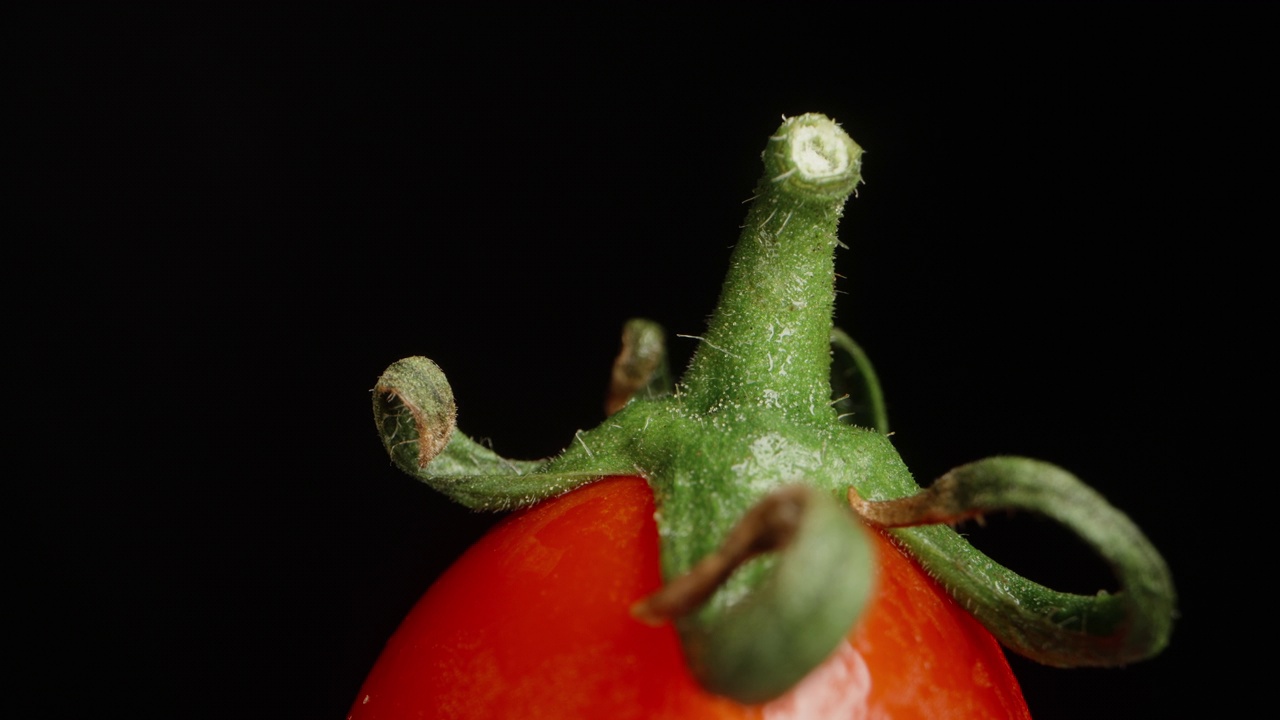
[{"x": 533, "y": 622}]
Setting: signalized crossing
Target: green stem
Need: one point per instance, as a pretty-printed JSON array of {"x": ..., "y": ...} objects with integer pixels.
[{"x": 768, "y": 341}]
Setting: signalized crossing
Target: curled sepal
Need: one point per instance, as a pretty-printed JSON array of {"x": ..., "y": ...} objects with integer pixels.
[
  {"x": 416, "y": 416},
  {"x": 1051, "y": 627},
  {"x": 641, "y": 368},
  {"x": 414, "y": 409},
  {"x": 855, "y": 390},
  {"x": 756, "y": 646}
]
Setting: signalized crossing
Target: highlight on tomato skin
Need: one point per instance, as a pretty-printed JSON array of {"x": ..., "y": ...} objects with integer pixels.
[{"x": 533, "y": 622}]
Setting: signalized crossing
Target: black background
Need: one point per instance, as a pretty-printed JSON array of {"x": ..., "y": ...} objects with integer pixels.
[{"x": 239, "y": 217}]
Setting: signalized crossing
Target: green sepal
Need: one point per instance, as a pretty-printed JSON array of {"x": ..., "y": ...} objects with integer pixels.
[
  {"x": 758, "y": 648},
  {"x": 415, "y": 413},
  {"x": 642, "y": 369},
  {"x": 1052, "y": 627},
  {"x": 855, "y": 389}
]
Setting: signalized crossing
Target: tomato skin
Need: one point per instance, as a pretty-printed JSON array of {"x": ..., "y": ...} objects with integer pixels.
[{"x": 533, "y": 622}]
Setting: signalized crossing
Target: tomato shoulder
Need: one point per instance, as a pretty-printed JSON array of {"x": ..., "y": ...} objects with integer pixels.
[{"x": 533, "y": 621}]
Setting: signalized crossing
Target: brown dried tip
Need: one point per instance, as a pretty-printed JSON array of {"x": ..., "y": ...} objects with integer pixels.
[
  {"x": 768, "y": 526},
  {"x": 936, "y": 504}
]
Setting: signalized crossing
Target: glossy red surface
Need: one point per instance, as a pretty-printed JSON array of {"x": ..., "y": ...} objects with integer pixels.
[{"x": 533, "y": 622}]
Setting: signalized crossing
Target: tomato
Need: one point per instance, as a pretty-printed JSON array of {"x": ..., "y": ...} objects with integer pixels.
[
  {"x": 534, "y": 622},
  {"x": 777, "y": 417}
]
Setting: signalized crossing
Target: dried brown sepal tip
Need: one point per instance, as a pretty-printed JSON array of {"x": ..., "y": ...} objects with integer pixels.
[
  {"x": 767, "y": 527},
  {"x": 940, "y": 503}
]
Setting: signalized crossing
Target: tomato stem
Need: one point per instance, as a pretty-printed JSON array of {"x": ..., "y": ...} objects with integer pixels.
[{"x": 769, "y": 340}]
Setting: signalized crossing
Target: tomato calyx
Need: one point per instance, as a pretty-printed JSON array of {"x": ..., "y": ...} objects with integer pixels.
[{"x": 751, "y": 456}]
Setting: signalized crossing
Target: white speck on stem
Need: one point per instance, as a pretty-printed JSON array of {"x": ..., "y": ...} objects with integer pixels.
[
  {"x": 578, "y": 436},
  {"x": 702, "y": 339}
]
